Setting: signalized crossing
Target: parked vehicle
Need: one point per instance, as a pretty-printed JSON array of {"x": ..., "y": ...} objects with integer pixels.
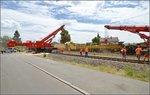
[{"x": 10, "y": 50}]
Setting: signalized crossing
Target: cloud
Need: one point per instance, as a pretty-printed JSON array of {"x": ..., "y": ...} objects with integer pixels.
[
  {"x": 88, "y": 11},
  {"x": 125, "y": 3},
  {"x": 118, "y": 12},
  {"x": 7, "y": 24},
  {"x": 27, "y": 18},
  {"x": 129, "y": 16},
  {"x": 40, "y": 27},
  {"x": 37, "y": 19},
  {"x": 33, "y": 26}
]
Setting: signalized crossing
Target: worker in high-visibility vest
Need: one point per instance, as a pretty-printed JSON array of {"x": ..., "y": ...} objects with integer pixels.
[
  {"x": 124, "y": 51},
  {"x": 146, "y": 55},
  {"x": 81, "y": 51},
  {"x": 62, "y": 50},
  {"x": 138, "y": 52},
  {"x": 68, "y": 50},
  {"x": 86, "y": 51}
]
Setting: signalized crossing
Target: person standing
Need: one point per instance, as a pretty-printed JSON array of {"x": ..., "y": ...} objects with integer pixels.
[
  {"x": 124, "y": 51},
  {"x": 138, "y": 52},
  {"x": 62, "y": 50},
  {"x": 68, "y": 50},
  {"x": 146, "y": 55},
  {"x": 81, "y": 51},
  {"x": 86, "y": 51},
  {"x": 2, "y": 51}
]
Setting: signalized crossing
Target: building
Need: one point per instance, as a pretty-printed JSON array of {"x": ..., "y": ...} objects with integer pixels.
[{"x": 110, "y": 40}]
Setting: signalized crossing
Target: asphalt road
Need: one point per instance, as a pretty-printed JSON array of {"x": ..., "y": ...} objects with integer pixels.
[{"x": 20, "y": 76}]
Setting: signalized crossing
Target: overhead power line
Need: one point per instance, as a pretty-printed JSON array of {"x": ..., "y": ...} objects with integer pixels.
[
  {"x": 133, "y": 17},
  {"x": 137, "y": 16}
]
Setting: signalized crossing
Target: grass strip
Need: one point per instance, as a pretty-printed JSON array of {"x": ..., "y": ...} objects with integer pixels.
[{"x": 128, "y": 71}]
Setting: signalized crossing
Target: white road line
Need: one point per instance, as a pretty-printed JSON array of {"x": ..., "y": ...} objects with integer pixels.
[{"x": 69, "y": 84}]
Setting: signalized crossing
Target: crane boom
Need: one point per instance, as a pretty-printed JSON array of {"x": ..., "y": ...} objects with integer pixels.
[
  {"x": 52, "y": 34},
  {"x": 43, "y": 44},
  {"x": 133, "y": 29}
]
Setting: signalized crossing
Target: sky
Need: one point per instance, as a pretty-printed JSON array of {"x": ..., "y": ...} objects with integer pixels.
[{"x": 83, "y": 19}]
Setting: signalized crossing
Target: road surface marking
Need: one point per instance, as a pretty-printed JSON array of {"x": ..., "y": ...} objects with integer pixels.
[{"x": 69, "y": 84}]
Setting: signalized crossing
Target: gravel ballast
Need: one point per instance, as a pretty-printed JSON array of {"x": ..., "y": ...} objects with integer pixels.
[{"x": 98, "y": 62}]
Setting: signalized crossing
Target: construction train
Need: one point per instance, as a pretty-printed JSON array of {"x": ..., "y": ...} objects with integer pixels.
[
  {"x": 117, "y": 47},
  {"x": 94, "y": 48},
  {"x": 45, "y": 45}
]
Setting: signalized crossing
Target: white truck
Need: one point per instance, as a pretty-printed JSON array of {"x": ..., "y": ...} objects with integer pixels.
[{"x": 10, "y": 50}]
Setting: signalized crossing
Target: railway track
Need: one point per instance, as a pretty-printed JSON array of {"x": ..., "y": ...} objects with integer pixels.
[{"x": 107, "y": 58}]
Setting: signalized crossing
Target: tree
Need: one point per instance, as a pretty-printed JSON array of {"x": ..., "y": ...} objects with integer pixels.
[
  {"x": 96, "y": 39},
  {"x": 4, "y": 40},
  {"x": 16, "y": 36},
  {"x": 65, "y": 36}
]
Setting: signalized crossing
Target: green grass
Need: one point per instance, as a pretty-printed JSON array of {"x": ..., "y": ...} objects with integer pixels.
[
  {"x": 128, "y": 71},
  {"x": 44, "y": 55},
  {"x": 140, "y": 75}
]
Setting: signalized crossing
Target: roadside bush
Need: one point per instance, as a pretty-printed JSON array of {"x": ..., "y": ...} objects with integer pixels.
[
  {"x": 44, "y": 55},
  {"x": 129, "y": 71}
]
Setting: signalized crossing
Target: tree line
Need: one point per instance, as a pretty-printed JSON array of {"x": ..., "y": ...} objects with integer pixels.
[{"x": 5, "y": 39}]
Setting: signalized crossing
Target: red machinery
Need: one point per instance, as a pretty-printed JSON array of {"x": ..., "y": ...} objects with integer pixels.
[
  {"x": 38, "y": 46},
  {"x": 137, "y": 30},
  {"x": 133, "y": 29}
]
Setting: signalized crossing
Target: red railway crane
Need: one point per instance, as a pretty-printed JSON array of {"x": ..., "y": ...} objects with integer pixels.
[
  {"x": 133, "y": 29},
  {"x": 137, "y": 30},
  {"x": 38, "y": 46}
]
